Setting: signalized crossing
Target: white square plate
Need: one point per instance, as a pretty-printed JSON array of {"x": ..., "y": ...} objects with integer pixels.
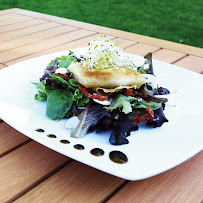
[{"x": 150, "y": 150}]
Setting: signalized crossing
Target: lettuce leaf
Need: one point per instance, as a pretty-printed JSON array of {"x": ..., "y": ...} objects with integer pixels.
[
  {"x": 89, "y": 117},
  {"x": 59, "y": 102},
  {"x": 81, "y": 102},
  {"x": 123, "y": 103},
  {"x": 64, "y": 61},
  {"x": 41, "y": 96},
  {"x": 60, "y": 95},
  {"x": 127, "y": 103},
  {"x": 59, "y": 80},
  {"x": 80, "y": 99}
]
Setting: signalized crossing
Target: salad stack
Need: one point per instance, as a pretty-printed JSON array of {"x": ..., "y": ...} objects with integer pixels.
[{"x": 102, "y": 90}]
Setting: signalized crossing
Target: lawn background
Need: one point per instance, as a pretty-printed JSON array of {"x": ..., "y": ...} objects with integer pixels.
[{"x": 174, "y": 20}]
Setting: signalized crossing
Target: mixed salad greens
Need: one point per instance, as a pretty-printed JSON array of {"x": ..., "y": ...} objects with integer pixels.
[{"x": 120, "y": 111}]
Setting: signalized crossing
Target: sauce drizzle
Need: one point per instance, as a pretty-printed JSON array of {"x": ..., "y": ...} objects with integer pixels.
[
  {"x": 97, "y": 152},
  {"x": 118, "y": 157}
]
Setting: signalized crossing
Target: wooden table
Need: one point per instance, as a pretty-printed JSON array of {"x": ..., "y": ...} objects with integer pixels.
[{"x": 31, "y": 172}]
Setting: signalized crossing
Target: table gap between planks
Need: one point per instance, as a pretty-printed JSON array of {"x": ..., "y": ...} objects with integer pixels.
[{"x": 31, "y": 172}]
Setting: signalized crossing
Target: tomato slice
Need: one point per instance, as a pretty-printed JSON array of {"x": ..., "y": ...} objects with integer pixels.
[
  {"x": 91, "y": 96},
  {"x": 149, "y": 115}
]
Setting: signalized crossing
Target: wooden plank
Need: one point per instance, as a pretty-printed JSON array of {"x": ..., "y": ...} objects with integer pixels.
[
  {"x": 141, "y": 49},
  {"x": 43, "y": 45},
  {"x": 10, "y": 138},
  {"x": 53, "y": 29},
  {"x": 26, "y": 31},
  {"x": 8, "y": 11},
  {"x": 192, "y": 63},
  {"x": 118, "y": 33},
  {"x": 67, "y": 46},
  {"x": 168, "y": 56},
  {"x": 15, "y": 20},
  {"x": 75, "y": 183},
  {"x": 123, "y": 43},
  {"x": 181, "y": 184},
  {"x": 16, "y": 26},
  {"x": 2, "y": 66},
  {"x": 26, "y": 167},
  {"x": 11, "y": 15}
]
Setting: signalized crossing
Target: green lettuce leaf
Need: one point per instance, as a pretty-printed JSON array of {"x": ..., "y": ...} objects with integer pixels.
[
  {"x": 59, "y": 102},
  {"x": 71, "y": 84},
  {"x": 156, "y": 106},
  {"x": 41, "y": 96},
  {"x": 123, "y": 103},
  {"x": 64, "y": 61},
  {"x": 77, "y": 95},
  {"x": 41, "y": 91},
  {"x": 127, "y": 103},
  {"x": 80, "y": 99},
  {"x": 83, "y": 101}
]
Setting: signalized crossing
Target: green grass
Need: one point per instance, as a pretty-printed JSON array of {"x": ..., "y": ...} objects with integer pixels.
[{"x": 174, "y": 20}]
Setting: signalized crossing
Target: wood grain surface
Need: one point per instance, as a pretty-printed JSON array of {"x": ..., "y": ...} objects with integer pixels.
[
  {"x": 192, "y": 63},
  {"x": 83, "y": 42},
  {"x": 168, "y": 56},
  {"x": 142, "y": 49},
  {"x": 18, "y": 34},
  {"x": 17, "y": 26},
  {"x": 54, "y": 30},
  {"x": 17, "y": 19},
  {"x": 31, "y": 172},
  {"x": 2, "y": 66},
  {"x": 26, "y": 166},
  {"x": 47, "y": 43},
  {"x": 76, "y": 177},
  {"x": 10, "y": 139}
]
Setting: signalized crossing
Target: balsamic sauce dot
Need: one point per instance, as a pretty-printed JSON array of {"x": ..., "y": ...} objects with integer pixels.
[
  {"x": 65, "y": 141},
  {"x": 51, "y": 135},
  {"x": 97, "y": 152},
  {"x": 39, "y": 130},
  {"x": 118, "y": 157},
  {"x": 79, "y": 147}
]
